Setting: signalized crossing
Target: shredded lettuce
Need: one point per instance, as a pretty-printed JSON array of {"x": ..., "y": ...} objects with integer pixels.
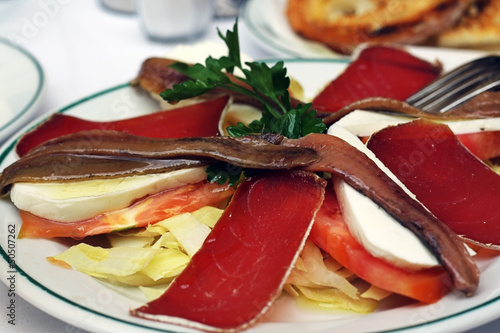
[
  {"x": 208, "y": 215},
  {"x": 328, "y": 284},
  {"x": 146, "y": 256},
  {"x": 153, "y": 292},
  {"x": 166, "y": 263},
  {"x": 152, "y": 257},
  {"x": 190, "y": 232},
  {"x": 100, "y": 262}
]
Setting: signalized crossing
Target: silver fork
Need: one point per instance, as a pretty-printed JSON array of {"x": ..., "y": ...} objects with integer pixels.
[{"x": 458, "y": 86}]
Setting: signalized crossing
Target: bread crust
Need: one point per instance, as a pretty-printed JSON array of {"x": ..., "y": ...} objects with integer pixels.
[
  {"x": 344, "y": 24},
  {"x": 478, "y": 28}
]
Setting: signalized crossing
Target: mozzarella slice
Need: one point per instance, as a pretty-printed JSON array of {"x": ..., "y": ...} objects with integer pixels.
[
  {"x": 378, "y": 232},
  {"x": 365, "y": 123},
  {"x": 76, "y": 201}
]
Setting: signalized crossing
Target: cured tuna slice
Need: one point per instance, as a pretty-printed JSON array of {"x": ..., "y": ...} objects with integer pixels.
[
  {"x": 244, "y": 263},
  {"x": 196, "y": 120},
  {"x": 378, "y": 71},
  {"x": 453, "y": 184}
]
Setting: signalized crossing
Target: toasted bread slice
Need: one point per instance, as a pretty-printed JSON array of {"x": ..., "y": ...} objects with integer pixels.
[
  {"x": 478, "y": 28},
  {"x": 344, "y": 24}
]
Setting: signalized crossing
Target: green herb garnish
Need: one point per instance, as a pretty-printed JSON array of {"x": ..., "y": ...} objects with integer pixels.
[
  {"x": 221, "y": 173},
  {"x": 269, "y": 85}
]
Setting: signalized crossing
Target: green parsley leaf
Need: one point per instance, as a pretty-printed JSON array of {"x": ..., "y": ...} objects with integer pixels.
[
  {"x": 222, "y": 173},
  {"x": 241, "y": 129},
  {"x": 269, "y": 85},
  {"x": 187, "y": 89},
  {"x": 233, "y": 44}
]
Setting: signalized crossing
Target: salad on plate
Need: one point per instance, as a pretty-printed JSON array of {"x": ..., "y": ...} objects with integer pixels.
[{"x": 240, "y": 192}]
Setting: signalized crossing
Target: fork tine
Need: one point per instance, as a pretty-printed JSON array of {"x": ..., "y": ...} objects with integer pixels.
[
  {"x": 459, "y": 85},
  {"x": 491, "y": 60},
  {"x": 458, "y": 96},
  {"x": 478, "y": 63},
  {"x": 427, "y": 94},
  {"x": 450, "y": 93},
  {"x": 492, "y": 85},
  {"x": 454, "y": 78}
]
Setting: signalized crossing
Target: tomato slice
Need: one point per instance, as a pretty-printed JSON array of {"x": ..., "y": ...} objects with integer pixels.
[
  {"x": 149, "y": 210},
  {"x": 330, "y": 233},
  {"x": 484, "y": 145}
]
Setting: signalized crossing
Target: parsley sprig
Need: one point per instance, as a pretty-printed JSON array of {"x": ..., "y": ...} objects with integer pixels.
[{"x": 269, "y": 85}]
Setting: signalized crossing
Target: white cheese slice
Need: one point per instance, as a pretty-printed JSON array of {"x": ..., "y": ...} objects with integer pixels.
[
  {"x": 364, "y": 123},
  {"x": 378, "y": 232},
  {"x": 75, "y": 201}
]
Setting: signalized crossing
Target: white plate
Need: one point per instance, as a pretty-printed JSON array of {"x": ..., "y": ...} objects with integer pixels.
[
  {"x": 87, "y": 303},
  {"x": 268, "y": 24},
  {"x": 21, "y": 85}
]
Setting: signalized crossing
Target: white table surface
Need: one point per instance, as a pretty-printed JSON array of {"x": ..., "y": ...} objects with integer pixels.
[{"x": 84, "y": 48}]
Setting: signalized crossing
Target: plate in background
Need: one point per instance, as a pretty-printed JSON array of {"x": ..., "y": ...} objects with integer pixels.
[{"x": 21, "y": 86}]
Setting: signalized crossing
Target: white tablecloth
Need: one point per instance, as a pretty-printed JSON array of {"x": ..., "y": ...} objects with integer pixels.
[{"x": 84, "y": 48}]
